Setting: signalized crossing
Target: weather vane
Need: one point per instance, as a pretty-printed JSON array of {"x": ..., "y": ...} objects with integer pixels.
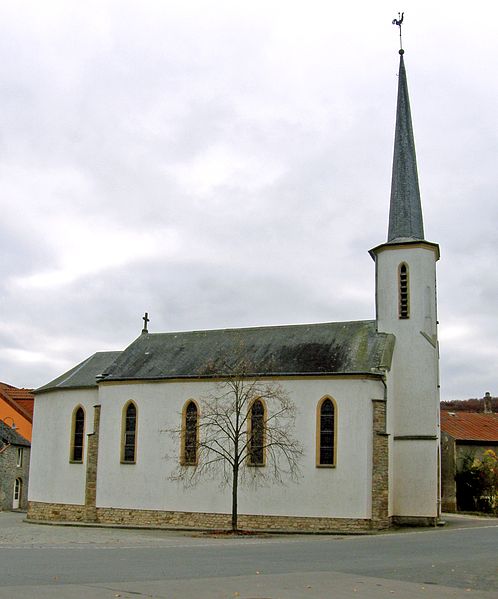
[{"x": 398, "y": 22}]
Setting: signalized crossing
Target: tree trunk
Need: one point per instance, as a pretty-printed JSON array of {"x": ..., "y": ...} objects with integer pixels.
[{"x": 235, "y": 483}]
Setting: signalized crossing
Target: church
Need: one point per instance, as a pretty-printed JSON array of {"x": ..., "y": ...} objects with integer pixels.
[{"x": 366, "y": 395}]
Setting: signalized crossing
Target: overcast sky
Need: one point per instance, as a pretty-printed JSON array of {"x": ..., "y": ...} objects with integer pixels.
[{"x": 227, "y": 164}]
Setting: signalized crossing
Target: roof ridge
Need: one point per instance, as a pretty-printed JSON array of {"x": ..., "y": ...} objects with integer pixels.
[{"x": 260, "y": 327}]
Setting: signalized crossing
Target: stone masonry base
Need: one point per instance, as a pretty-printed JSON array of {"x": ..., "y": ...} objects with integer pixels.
[
  {"x": 58, "y": 512},
  {"x": 414, "y": 521}
]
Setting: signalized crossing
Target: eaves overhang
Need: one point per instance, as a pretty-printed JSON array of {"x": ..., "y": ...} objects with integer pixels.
[
  {"x": 377, "y": 374},
  {"x": 41, "y": 391},
  {"x": 397, "y": 244}
]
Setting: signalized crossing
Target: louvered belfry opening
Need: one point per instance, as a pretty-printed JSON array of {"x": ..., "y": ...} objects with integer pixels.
[{"x": 404, "y": 308}]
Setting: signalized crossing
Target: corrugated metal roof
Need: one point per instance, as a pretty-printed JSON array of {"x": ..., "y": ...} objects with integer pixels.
[
  {"x": 470, "y": 426},
  {"x": 326, "y": 348}
]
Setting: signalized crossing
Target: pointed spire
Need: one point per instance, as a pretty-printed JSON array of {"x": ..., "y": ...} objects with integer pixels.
[{"x": 405, "y": 213}]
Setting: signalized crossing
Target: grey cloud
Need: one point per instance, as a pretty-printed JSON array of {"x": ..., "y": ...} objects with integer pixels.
[{"x": 105, "y": 113}]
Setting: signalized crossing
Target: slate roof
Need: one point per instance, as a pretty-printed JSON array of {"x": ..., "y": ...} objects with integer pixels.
[
  {"x": 308, "y": 349},
  {"x": 405, "y": 213},
  {"x": 8, "y": 436},
  {"x": 84, "y": 374},
  {"x": 470, "y": 426}
]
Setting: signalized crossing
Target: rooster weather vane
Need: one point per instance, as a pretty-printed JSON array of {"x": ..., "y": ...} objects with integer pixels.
[{"x": 398, "y": 22}]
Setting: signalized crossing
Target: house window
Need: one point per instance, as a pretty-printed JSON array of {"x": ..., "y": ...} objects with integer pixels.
[
  {"x": 256, "y": 450},
  {"x": 326, "y": 432},
  {"x": 78, "y": 435},
  {"x": 404, "y": 289},
  {"x": 190, "y": 434},
  {"x": 129, "y": 436},
  {"x": 19, "y": 457}
]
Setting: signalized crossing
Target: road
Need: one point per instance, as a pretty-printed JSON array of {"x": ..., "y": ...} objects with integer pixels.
[{"x": 460, "y": 560}]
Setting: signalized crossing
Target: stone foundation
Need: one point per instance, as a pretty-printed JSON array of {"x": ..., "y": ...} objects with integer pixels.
[
  {"x": 57, "y": 512},
  {"x": 414, "y": 520}
]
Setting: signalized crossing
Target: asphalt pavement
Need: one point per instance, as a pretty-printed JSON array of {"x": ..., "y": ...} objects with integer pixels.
[{"x": 59, "y": 562}]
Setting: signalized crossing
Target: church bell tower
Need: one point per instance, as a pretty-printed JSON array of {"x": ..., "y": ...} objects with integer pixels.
[{"x": 405, "y": 292}]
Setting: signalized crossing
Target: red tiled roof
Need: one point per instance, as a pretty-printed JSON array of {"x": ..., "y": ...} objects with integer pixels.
[
  {"x": 470, "y": 426},
  {"x": 18, "y": 398},
  {"x": 16, "y": 393},
  {"x": 27, "y": 405}
]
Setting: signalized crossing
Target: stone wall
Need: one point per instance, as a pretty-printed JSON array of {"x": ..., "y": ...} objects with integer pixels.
[
  {"x": 55, "y": 512},
  {"x": 9, "y": 471},
  {"x": 380, "y": 466},
  {"x": 194, "y": 520},
  {"x": 91, "y": 468}
]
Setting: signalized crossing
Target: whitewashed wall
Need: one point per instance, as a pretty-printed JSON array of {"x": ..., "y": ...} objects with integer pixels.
[
  {"x": 415, "y": 361},
  {"x": 52, "y": 478},
  {"x": 415, "y": 478},
  {"x": 344, "y": 491}
]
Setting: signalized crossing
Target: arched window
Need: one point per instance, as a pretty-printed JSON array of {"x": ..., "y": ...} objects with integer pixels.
[
  {"x": 190, "y": 430},
  {"x": 326, "y": 432},
  {"x": 129, "y": 437},
  {"x": 256, "y": 449},
  {"x": 404, "y": 292},
  {"x": 78, "y": 436}
]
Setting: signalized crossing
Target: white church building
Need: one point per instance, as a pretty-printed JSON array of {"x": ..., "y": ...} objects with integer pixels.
[{"x": 366, "y": 394}]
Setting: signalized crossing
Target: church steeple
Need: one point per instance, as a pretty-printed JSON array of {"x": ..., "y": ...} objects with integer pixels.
[
  {"x": 405, "y": 213},
  {"x": 405, "y": 298}
]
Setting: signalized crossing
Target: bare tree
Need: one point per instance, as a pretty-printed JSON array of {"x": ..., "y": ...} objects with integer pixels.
[{"x": 244, "y": 431}]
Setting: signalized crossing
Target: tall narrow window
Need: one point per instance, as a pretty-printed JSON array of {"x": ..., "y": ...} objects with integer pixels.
[
  {"x": 326, "y": 441},
  {"x": 19, "y": 457},
  {"x": 190, "y": 432},
  {"x": 256, "y": 450},
  {"x": 404, "y": 288},
  {"x": 129, "y": 433},
  {"x": 78, "y": 435}
]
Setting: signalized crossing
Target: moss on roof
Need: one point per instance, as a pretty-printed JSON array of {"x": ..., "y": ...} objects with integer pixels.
[
  {"x": 328, "y": 348},
  {"x": 307, "y": 349}
]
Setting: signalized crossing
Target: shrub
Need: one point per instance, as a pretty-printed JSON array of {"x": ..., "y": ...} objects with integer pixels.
[{"x": 477, "y": 483}]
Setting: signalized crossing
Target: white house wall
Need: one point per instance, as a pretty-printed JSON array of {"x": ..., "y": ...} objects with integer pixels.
[
  {"x": 342, "y": 492},
  {"x": 53, "y": 479}
]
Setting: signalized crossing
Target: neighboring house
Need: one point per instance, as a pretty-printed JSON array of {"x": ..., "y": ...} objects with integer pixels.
[
  {"x": 463, "y": 434},
  {"x": 14, "y": 469},
  {"x": 366, "y": 394},
  {"x": 16, "y": 408}
]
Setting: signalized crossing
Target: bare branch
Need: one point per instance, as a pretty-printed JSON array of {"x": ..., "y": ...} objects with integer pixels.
[{"x": 225, "y": 441}]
